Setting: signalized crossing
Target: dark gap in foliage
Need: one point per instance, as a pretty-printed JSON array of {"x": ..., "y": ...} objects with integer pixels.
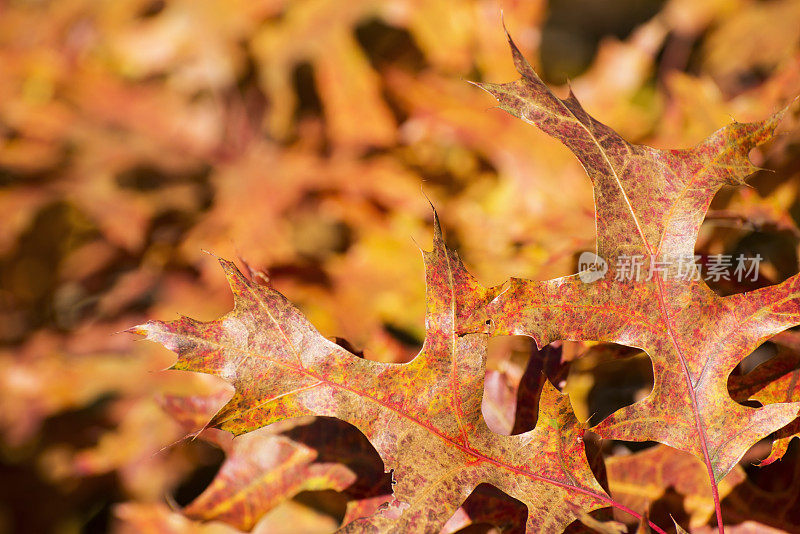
[
  {"x": 617, "y": 384},
  {"x": 752, "y": 78},
  {"x": 489, "y": 509},
  {"x": 309, "y": 102},
  {"x": 152, "y": 9},
  {"x": 671, "y": 505},
  {"x": 479, "y": 528},
  {"x": 349, "y": 347},
  {"x": 519, "y": 383},
  {"x": 386, "y": 45},
  {"x": 676, "y": 54},
  {"x": 83, "y": 501},
  {"x": 602, "y": 515},
  {"x": 754, "y": 259},
  {"x": 328, "y": 502},
  {"x": 98, "y": 517},
  {"x": 403, "y": 335},
  {"x": 82, "y": 504},
  {"x": 778, "y": 166},
  {"x": 210, "y": 459},
  {"x": 762, "y": 354},
  {"x": 309, "y": 110},
  {"x": 769, "y": 362},
  {"x": 574, "y": 28},
  {"x": 10, "y": 177},
  {"x": 757, "y": 249},
  {"x": 147, "y": 177},
  {"x": 636, "y": 446},
  {"x": 779, "y": 481},
  {"x": 778, "y": 249},
  {"x": 80, "y": 428},
  {"x": 339, "y": 442},
  {"x": 29, "y": 274},
  {"x": 779, "y": 476},
  {"x": 595, "y": 449},
  {"x": 395, "y": 106},
  {"x": 168, "y": 230},
  {"x": 312, "y": 274}
]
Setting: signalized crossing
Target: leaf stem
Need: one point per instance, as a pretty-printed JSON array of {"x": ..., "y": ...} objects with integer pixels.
[{"x": 717, "y": 506}]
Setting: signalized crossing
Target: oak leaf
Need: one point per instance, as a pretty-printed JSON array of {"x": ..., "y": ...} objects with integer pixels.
[
  {"x": 289, "y": 518},
  {"x": 649, "y": 205},
  {"x": 776, "y": 380},
  {"x": 423, "y": 418},
  {"x": 267, "y": 467},
  {"x": 768, "y": 501},
  {"x": 642, "y": 478}
]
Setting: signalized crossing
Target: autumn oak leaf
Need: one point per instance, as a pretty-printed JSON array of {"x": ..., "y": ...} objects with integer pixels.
[
  {"x": 776, "y": 380},
  {"x": 423, "y": 417},
  {"x": 644, "y": 477},
  {"x": 649, "y": 205},
  {"x": 267, "y": 467}
]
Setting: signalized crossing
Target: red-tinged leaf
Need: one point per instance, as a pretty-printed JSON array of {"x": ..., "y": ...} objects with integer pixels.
[
  {"x": 268, "y": 467},
  {"x": 640, "y": 479},
  {"x": 650, "y": 203},
  {"x": 781, "y": 440},
  {"x": 603, "y": 527},
  {"x": 512, "y": 406},
  {"x": 763, "y": 378},
  {"x": 768, "y": 501},
  {"x": 423, "y": 417},
  {"x": 152, "y": 518},
  {"x": 784, "y": 389},
  {"x": 544, "y": 364},
  {"x": 488, "y": 506},
  {"x": 749, "y": 210},
  {"x": 776, "y": 380}
]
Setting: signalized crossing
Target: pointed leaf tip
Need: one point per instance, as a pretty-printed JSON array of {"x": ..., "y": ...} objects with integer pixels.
[{"x": 139, "y": 329}]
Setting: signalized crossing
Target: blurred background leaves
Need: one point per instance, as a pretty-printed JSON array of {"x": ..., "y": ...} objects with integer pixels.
[{"x": 303, "y": 137}]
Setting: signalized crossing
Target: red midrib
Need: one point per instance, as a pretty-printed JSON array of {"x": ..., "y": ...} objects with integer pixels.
[
  {"x": 698, "y": 419},
  {"x": 482, "y": 457},
  {"x": 464, "y": 448},
  {"x": 453, "y": 343}
]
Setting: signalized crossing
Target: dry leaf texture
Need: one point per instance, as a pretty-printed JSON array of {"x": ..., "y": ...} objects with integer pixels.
[
  {"x": 650, "y": 204},
  {"x": 423, "y": 417}
]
